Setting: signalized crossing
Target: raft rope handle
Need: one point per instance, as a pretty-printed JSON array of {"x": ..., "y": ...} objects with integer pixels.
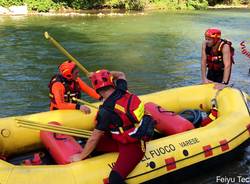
[
  {"x": 165, "y": 111},
  {"x": 246, "y": 98},
  {"x": 59, "y": 138},
  {"x": 2, "y": 154},
  {"x": 214, "y": 100}
]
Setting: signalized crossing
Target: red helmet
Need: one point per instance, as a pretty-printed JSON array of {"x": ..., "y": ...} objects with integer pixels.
[
  {"x": 213, "y": 33},
  {"x": 66, "y": 69},
  {"x": 102, "y": 78}
]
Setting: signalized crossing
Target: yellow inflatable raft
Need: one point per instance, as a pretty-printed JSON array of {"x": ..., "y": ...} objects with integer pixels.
[{"x": 163, "y": 155}]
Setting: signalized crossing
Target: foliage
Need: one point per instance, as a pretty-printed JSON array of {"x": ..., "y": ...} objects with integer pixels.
[
  {"x": 46, "y": 5},
  {"x": 8, "y": 3}
]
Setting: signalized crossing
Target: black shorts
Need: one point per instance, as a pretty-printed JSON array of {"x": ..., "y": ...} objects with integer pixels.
[{"x": 215, "y": 76}]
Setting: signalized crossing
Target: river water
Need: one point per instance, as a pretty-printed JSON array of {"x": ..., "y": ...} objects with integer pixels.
[{"x": 157, "y": 50}]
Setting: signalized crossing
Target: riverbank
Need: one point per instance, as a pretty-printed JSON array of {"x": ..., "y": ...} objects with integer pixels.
[
  {"x": 222, "y": 6},
  {"x": 24, "y": 10},
  {"x": 71, "y": 12},
  {"x": 51, "y": 6}
]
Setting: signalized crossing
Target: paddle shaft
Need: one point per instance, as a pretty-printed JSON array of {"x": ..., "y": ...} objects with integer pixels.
[
  {"x": 57, "y": 128},
  {"x": 84, "y": 102},
  {"x": 62, "y": 129},
  {"x": 54, "y": 131},
  {"x": 66, "y": 53}
]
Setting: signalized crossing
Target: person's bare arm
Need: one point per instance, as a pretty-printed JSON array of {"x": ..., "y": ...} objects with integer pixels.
[
  {"x": 118, "y": 75},
  {"x": 204, "y": 64},
  {"x": 89, "y": 146},
  {"x": 227, "y": 62}
]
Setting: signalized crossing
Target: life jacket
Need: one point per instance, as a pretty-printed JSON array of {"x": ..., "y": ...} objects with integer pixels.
[
  {"x": 213, "y": 115},
  {"x": 215, "y": 59},
  {"x": 70, "y": 91},
  {"x": 130, "y": 111}
]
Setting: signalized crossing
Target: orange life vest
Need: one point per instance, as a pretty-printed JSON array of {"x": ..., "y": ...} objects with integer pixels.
[{"x": 71, "y": 90}]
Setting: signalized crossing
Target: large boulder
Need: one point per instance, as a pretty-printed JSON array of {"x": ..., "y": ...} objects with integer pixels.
[{"x": 19, "y": 10}]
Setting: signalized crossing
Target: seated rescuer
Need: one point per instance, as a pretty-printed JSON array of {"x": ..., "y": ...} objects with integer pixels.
[
  {"x": 65, "y": 85},
  {"x": 217, "y": 57},
  {"x": 121, "y": 125}
]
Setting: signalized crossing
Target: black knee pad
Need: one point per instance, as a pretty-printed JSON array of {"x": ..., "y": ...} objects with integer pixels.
[{"x": 115, "y": 178}]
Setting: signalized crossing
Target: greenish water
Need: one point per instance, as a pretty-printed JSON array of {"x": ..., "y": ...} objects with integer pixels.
[{"x": 156, "y": 51}]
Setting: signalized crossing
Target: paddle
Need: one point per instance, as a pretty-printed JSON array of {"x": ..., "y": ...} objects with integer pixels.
[
  {"x": 53, "y": 128},
  {"x": 84, "y": 102},
  {"x": 66, "y": 53}
]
